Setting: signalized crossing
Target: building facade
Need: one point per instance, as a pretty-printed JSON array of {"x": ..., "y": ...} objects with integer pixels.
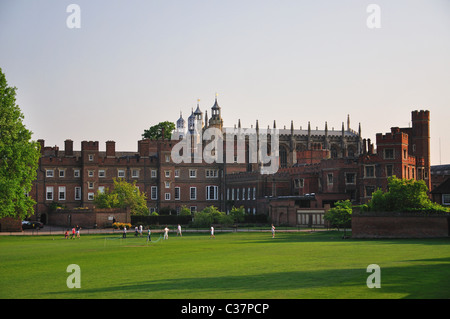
[{"x": 315, "y": 169}]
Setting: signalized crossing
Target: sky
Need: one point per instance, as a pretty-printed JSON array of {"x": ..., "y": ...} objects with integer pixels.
[{"x": 132, "y": 64}]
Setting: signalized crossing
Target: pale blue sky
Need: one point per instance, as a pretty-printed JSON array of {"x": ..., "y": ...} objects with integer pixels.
[{"x": 134, "y": 63}]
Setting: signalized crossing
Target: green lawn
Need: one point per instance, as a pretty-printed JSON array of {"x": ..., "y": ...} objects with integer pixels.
[{"x": 233, "y": 265}]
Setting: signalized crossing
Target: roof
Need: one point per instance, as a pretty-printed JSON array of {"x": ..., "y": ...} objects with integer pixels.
[{"x": 443, "y": 188}]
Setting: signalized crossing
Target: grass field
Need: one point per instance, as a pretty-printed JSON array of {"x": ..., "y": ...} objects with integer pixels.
[{"x": 242, "y": 265}]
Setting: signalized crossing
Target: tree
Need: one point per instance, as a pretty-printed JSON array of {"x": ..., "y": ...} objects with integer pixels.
[
  {"x": 123, "y": 195},
  {"x": 403, "y": 195},
  {"x": 19, "y": 157},
  {"x": 340, "y": 216},
  {"x": 211, "y": 215},
  {"x": 160, "y": 130},
  {"x": 238, "y": 214}
]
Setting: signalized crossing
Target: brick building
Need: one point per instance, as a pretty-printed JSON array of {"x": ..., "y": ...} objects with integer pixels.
[{"x": 316, "y": 168}]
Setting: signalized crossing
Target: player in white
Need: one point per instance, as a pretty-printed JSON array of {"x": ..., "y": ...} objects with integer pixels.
[
  {"x": 273, "y": 231},
  {"x": 212, "y": 233},
  {"x": 166, "y": 233},
  {"x": 179, "y": 231}
]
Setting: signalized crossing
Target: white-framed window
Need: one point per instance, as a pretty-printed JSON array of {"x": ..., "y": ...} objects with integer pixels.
[
  {"x": 299, "y": 183},
  {"x": 76, "y": 173},
  {"x": 228, "y": 194},
  {"x": 167, "y": 174},
  {"x": 101, "y": 173},
  {"x": 154, "y": 192},
  {"x": 232, "y": 194},
  {"x": 91, "y": 196},
  {"x": 49, "y": 173},
  {"x": 254, "y": 192},
  {"x": 177, "y": 193},
  {"x": 243, "y": 193},
  {"x": 193, "y": 193},
  {"x": 350, "y": 178},
  {"x": 211, "y": 173},
  {"x": 62, "y": 173},
  {"x": 77, "y": 193},
  {"x": 91, "y": 173},
  {"x": 237, "y": 193},
  {"x": 446, "y": 199},
  {"x": 330, "y": 178},
  {"x": 91, "y": 185},
  {"x": 177, "y": 173},
  {"x": 154, "y": 173},
  {"x": 193, "y": 173},
  {"x": 135, "y": 173},
  {"x": 167, "y": 196},
  {"x": 212, "y": 192},
  {"x": 91, "y": 157},
  {"x": 167, "y": 184},
  {"x": 49, "y": 193},
  {"x": 121, "y": 173},
  {"x": 62, "y": 192},
  {"x": 248, "y": 193},
  {"x": 101, "y": 189}
]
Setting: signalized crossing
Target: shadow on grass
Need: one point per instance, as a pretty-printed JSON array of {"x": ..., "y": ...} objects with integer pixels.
[{"x": 424, "y": 281}]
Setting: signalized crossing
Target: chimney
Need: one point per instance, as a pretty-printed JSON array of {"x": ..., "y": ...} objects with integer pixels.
[
  {"x": 110, "y": 149},
  {"x": 42, "y": 143},
  {"x": 68, "y": 148}
]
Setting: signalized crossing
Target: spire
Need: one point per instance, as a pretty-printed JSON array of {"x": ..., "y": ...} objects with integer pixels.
[
  {"x": 274, "y": 124},
  {"x": 359, "y": 129},
  {"x": 348, "y": 122}
]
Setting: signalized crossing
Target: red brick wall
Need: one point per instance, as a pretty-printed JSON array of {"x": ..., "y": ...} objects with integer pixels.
[
  {"x": 399, "y": 226},
  {"x": 9, "y": 224},
  {"x": 87, "y": 218}
]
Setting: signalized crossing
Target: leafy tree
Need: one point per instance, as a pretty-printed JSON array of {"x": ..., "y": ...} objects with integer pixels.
[
  {"x": 123, "y": 195},
  {"x": 185, "y": 211},
  {"x": 340, "y": 216},
  {"x": 211, "y": 215},
  {"x": 19, "y": 157},
  {"x": 156, "y": 132},
  {"x": 238, "y": 214},
  {"x": 403, "y": 195}
]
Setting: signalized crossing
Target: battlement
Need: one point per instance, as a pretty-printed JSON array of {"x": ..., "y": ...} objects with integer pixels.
[
  {"x": 396, "y": 136},
  {"x": 420, "y": 115},
  {"x": 89, "y": 145}
]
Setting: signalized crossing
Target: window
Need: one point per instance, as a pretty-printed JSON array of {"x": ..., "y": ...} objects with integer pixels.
[
  {"x": 248, "y": 194},
  {"x": 192, "y": 173},
  {"x": 370, "y": 171},
  {"x": 211, "y": 173},
  {"x": 101, "y": 173},
  {"x": 167, "y": 196},
  {"x": 154, "y": 173},
  {"x": 193, "y": 209},
  {"x": 121, "y": 173},
  {"x": 167, "y": 184},
  {"x": 49, "y": 193},
  {"x": 299, "y": 182},
  {"x": 135, "y": 173},
  {"x": 62, "y": 193},
  {"x": 369, "y": 190},
  {"x": 254, "y": 192},
  {"x": 389, "y": 170},
  {"x": 167, "y": 174},
  {"x": 101, "y": 189},
  {"x": 237, "y": 194},
  {"x": 154, "y": 192},
  {"x": 330, "y": 179},
  {"x": 49, "y": 173},
  {"x": 76, "y": 173},
  {"x": 193, "y": 193},
  {"x": 167, "y": 158},
  {"x": 388, "y": 153},
  {"x": 177, "y": 193},
  {"x": 446, "y": 199},
  {"x": 91, "y": 173},
  {"x": 243, "y": 193},
  {"x": 177, "y": 173},
  {"x": 62, "y": 173},
  {"x": 350, "y": 178},
  {"x": 90, "y": 185},
  {"x": 212, "y": 192},
  {"x": 90, "y": 157},
  {"x": 90, "y": 196},
  {"x": 77, "y": 193}
]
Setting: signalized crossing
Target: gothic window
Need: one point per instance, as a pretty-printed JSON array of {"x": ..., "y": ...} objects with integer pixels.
[{"x": 283, "y": 157}]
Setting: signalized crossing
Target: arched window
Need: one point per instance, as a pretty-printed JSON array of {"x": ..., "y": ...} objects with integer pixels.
[{"x": 283, "y": 157}]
